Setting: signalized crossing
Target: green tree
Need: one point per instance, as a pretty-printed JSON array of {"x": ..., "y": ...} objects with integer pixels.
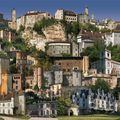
[
  {"x": 116, "y": 92},
  {"x": 105, "y": 30},
  {"x": 44, "y": 84},
  {"x": 13, "y": 68},
  {"x": 102, "y": 85},
  {"x": 45, "y": 22},
  {"x": 75, "y": 28},
  {"x": 94, "y": 51},
  {"x": 36, "y": 88},
  {"x": 62, "y": 105},
  {"x": 89, "y": 27},
  {"x": 115, "y": 52}
]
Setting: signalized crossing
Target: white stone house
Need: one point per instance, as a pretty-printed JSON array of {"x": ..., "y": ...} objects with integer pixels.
[
  {"x": 106, "y": 65},
  {"x": 89, "y": 101},
  {"x": 11, "y": 105},
  {"x": 7, "y": 107},
  {"x": 113, "y": 38}
]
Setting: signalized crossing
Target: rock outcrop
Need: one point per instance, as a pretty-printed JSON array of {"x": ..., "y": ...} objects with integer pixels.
[{"x": 55, "y": 32}]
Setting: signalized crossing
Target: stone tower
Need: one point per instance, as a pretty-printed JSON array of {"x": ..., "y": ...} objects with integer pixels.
[
  {"x": 86, "y": 11},
  {"x": 13, "y": 19},
  {"x": 85, "y": 65},
  {"x": 92, "y": 17}
]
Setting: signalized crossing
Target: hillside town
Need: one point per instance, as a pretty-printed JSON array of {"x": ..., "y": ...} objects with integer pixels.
[{"x": 62, "y": 64}]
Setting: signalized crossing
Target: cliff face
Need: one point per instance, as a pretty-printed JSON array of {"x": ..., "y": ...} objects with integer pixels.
[
  {"x": 55, "y": 32},
  {"x": 52, "y": 33}
]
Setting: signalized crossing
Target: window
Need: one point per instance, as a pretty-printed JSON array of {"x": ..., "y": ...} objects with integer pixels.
[
  {"x": 53, "y": 111},
  {"x": 76, "y": 75},
  {"x": 8, "y": 111},
  {"x": 16, "y": 82},
  {"x": 41, "y": 106},
  {"x": 16, "y": 87},
  {"x": 41, "y": 112}
]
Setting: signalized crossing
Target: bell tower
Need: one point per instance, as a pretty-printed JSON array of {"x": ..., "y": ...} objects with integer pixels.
[{"x": 13, "y": 18}]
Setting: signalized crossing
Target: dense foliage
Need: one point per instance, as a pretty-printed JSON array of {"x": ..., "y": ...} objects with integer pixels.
[
  {"x": 115, "y": 52},
  {"x": 71, "y": 27},
  {"x": 89, "y": 27},
  {"x": 42, "y": 24},
  {"x": 102, "y": 85},
  {"x": 62, "y": 105},
  {"x": 94, "y": 51},
  {"x": 116, "y": 92}
]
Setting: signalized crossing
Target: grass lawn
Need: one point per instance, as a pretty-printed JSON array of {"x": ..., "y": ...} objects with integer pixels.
[{"x": 90, "y": 117}]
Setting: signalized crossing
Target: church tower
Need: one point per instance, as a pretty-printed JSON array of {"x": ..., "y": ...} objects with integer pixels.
[
  {"x": 86, "y": 11},
  {"x": 13, "y": 18}
]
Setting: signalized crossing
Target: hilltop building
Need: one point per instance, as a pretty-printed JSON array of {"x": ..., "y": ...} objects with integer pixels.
[
  {"x": 29, "y": 19},
  {"x": 67, "y": 15},
  {"x": 106, "y": 65},
  {"x": 13, "y": 22}
]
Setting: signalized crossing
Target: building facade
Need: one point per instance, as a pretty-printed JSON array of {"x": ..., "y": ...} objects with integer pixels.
[
  {"x": 17, "y": 82},
  {"x": 5, "y": 80},
  {"x": 42, "y": 109},
  {"x": 63, "y": 49},
  {"x": 29, "y": 19},
  {"x": 112, "y": 38},
  {"x": 12, "y": 104},
  {"x": 67, "y": 15},
  {"x": 7, "y": 35},
  {"x": 106, "y": 65},
  {"x": 88, "y": 100},
  {"x": 59, "y": 49}
]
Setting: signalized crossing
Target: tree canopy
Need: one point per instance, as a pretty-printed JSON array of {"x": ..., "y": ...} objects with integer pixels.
[
  {"x": 115, "y": 52},
  {"x": 94, "y": 51},
  {"x": 102, "y": 85},
  {"x": 45, "y": 22}
]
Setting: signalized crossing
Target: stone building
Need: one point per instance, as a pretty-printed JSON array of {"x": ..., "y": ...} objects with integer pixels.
[
  {"x": 53, "y": 77},
  {"x": 63, "y": 49},
  {"x": 69, "y": 16},
  {"x": 55, "y": 90},
  {"x": 7, "y": 35},
  {"x": 89, "y": 101},
  {"x": 5, "y": 79},
  {"x": 11, "y": 104},
  {"x": 73, "y": 78},
  {"x": 17, "y": 82},
  {"x": 29, "y": 82},
  {"x": 112, "y": 38},
  {"x": 13, "y": 22},
  {"x": 38, "y": 76},
  {"x": 68, "y": 64},
  {"x": 42, "y": 109},
  {"x": 86, "y": 18},
  {"x": 106, "y": 65},
  {"x": 21, "y": 61},
  {"x": 92, "y": 78},
  {"x": 7, "y": 105},
  {"x": 29, "y": 19},
  {"x": 59, "y": 49}
]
